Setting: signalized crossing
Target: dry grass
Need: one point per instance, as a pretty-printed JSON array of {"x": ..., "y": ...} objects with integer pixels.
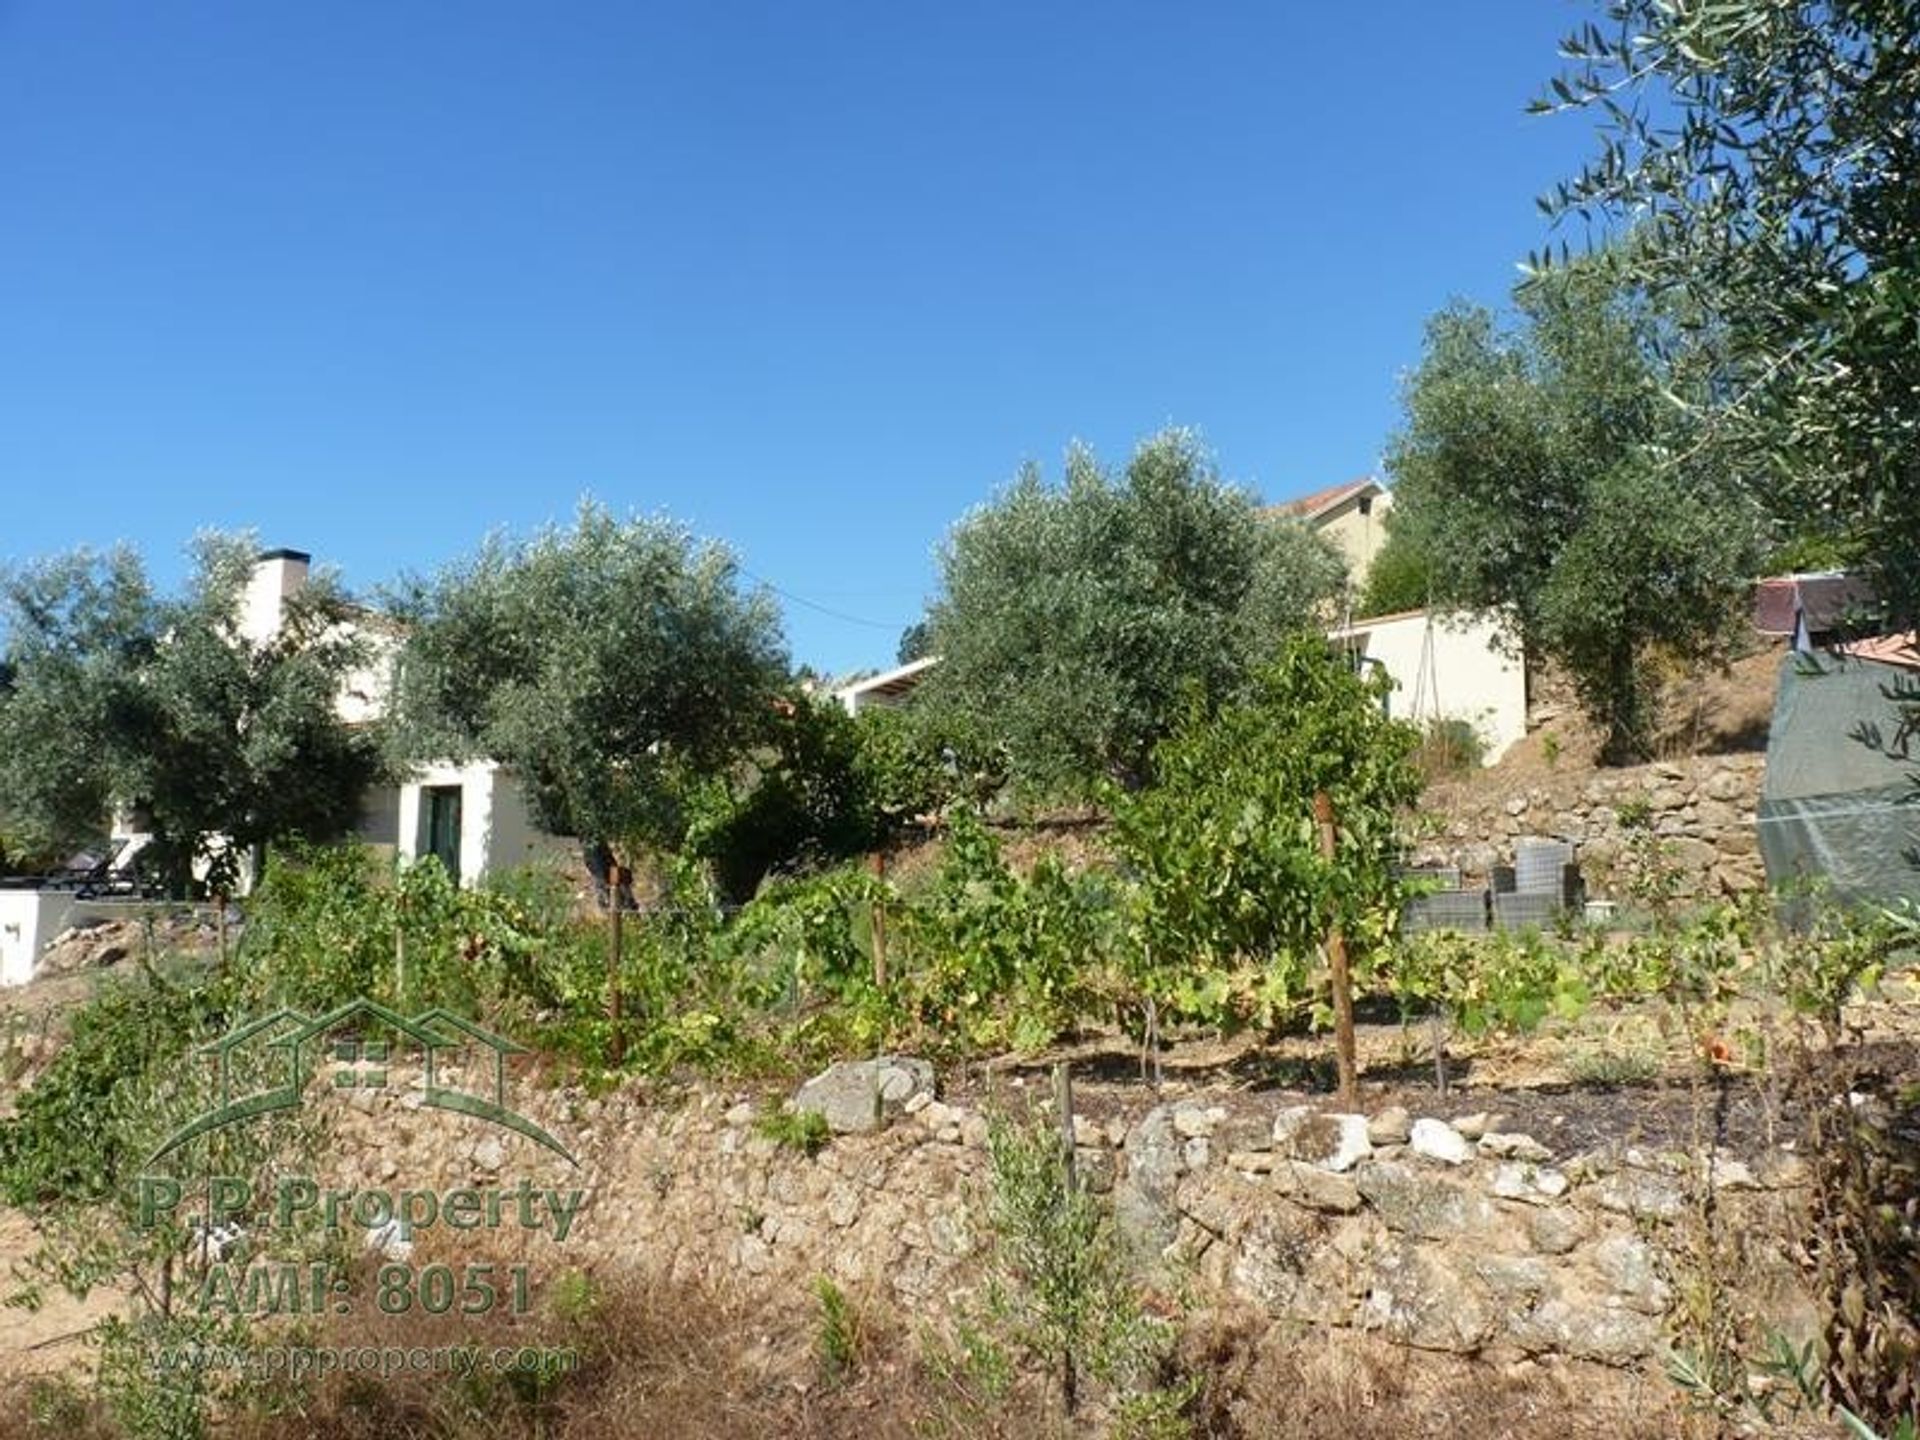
[
  {"x": 1261, "y": 1381},
  {"x": 667, "y": 1360}
]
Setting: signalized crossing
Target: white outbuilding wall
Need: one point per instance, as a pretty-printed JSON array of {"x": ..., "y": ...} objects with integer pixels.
[{"x": 1448, "y": 667}]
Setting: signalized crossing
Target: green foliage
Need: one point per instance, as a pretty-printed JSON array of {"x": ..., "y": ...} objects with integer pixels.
[
  {"x": 802, "y": 1130},
  {"x": 67, "y": 1141},
  {"x": 1072, "y": 620},
  {"x": 119, "y": 695},
  {"x": 799, "y": 799},
  {"x": 1001, "y": 958},
  {"x": 1534, "y": 472},
  {"x": 610, "y": 666},
  {"x": 1450, "y": 746},
  {"x": 1060, "y": 1285},
  {"x": 1502, "y": 981},
  {"x": 331, "y": 924},
  {"x": 1232, "y": 899},
  {"x": 1401, "y": 576},
  {"x": 819, "y": 788},
  {"x": 916, "y": 643},
  {"x": 904, "y": 767},
  {"x": 1762, "y": 155},
  {"x": 838, "y": 1340}
]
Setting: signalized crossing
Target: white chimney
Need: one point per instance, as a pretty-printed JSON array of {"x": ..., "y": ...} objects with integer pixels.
[{"x": 277, "y": 574}]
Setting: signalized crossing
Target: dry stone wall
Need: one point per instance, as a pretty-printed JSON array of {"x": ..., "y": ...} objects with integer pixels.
[
  {"x": 1702, "y": 809},
  {"x": 1436, "y": 1234}
]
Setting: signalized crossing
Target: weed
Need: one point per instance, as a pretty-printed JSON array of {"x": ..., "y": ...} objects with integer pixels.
[
  {"x": 804, "y": 1130},
  {"x": 837, "y": 1341},
  {"x": 1610, "y": 1069}
]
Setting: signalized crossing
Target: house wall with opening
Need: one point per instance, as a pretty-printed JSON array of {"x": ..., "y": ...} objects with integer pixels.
[{"x": 1448, "y": 668}]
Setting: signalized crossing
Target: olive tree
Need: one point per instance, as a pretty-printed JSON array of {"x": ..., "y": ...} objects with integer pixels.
[
  {"x": 1072, "y": 620},
  {"x": 1552, "y": 472},
  {"x": 221, "y": 742},
  {"x": 609, "y": 665},
  {"x": 1757, "y": 162}
]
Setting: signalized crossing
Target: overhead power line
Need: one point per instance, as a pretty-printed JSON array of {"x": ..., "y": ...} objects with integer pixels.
[{"x": 894, "y": 625}]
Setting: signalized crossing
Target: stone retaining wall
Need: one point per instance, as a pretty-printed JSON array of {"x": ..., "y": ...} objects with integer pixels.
[
  {"x": 1441, "y": 1236},
  {"x": 1701, "y": 809}
]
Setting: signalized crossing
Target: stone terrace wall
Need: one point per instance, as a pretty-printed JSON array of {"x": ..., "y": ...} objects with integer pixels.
[
  {"x": 1441, "y": 1236},
  {"x": 1703, "y": 808}
]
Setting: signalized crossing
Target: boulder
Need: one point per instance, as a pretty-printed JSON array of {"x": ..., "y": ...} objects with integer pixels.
[
  {"x": 1391, "y": 1126},
  {"x": 1333, "y": 1142},
  {"x": 1143, "y": 1201},
  {"x": 1512, "y": 1145},
  {"x": 1426, "y": 1208},
  {"x": 856, "y": 1095},
  {"x": 1437, "y": 1140}
]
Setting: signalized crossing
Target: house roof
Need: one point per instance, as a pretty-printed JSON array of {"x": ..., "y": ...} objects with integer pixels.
[
  {"x": 1902, "y": 649},
  {"x": 895, "y": 682},
  {"x": 1823, "y": 598},
  {"x": 1312, "y": 507}
]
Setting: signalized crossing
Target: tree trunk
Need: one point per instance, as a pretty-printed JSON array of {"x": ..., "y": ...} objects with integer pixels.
[{"x": 602, "y": 866}]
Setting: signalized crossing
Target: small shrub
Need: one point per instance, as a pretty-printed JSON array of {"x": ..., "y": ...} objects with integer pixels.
[
  {"x": 1060, "y": 1284},
  {"x": 1608, "y": 1069},
  {"x": 804, "y": 1130},
  {"x": 1450, "y": 746}
]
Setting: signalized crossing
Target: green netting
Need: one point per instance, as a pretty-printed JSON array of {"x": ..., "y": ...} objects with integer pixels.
[{"x": 1841, "y": 804}]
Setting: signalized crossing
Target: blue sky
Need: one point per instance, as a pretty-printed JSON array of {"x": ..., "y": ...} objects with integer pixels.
[{"x": 376, "y": 277}]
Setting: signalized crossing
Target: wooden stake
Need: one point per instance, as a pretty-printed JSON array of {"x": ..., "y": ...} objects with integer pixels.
[
  {"x": 1341, "y": 979},
  {"x": 400, "y": 948},
  {"x": 1063, "y": 1102},
  {"x": 879, "y": 924}
]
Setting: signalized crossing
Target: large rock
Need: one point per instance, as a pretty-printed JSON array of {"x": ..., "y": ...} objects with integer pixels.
[
  {"x": 1419, "y": 1298},
  {"x": 1391, "y": 1126},
  {"x": 1437, "y": 1140},
  {"x": 1628, "y": 1265},
  {"x": 1640, "y": 1195},
  {"x": 1333, "y": 1142},
  {"x": 1426, "y": 1207},
  {"x": 1143, "y": 1202},
  {"x": 856, "y": 1095},
  {"x": 1587, "y": 1332}
]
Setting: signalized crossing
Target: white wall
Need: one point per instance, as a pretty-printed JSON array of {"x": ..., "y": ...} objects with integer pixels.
[
  {"x": 276, "y": 575},
  {"x": 514, "y": 839},
  {"x": 1449, "y": 668},
  {"x": 496, "y": 832},
  {"x": 366, "y": 689},
  {"x": 28, "y": 920}
]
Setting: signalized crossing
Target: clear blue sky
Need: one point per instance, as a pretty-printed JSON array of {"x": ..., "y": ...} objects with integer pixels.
[{"x": 374, "y": 277}]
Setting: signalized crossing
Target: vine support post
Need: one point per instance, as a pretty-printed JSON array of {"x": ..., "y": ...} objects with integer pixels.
[
  {"x": 400, "y": 947},
  {"x": 616, "y": 1046},
  {"x": 1063, "y": 1102},
  {"x": 879, "y": 863},
  {"x": 1340, "y": 977}
]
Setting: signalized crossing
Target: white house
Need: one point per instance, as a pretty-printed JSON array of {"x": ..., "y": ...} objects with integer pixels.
[
  {"x": 471, "y": 815},
  {"x": 888, "y": 689}
]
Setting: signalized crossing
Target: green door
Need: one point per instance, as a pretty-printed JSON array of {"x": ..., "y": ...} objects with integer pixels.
[{"x": 442, "y": 804}]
